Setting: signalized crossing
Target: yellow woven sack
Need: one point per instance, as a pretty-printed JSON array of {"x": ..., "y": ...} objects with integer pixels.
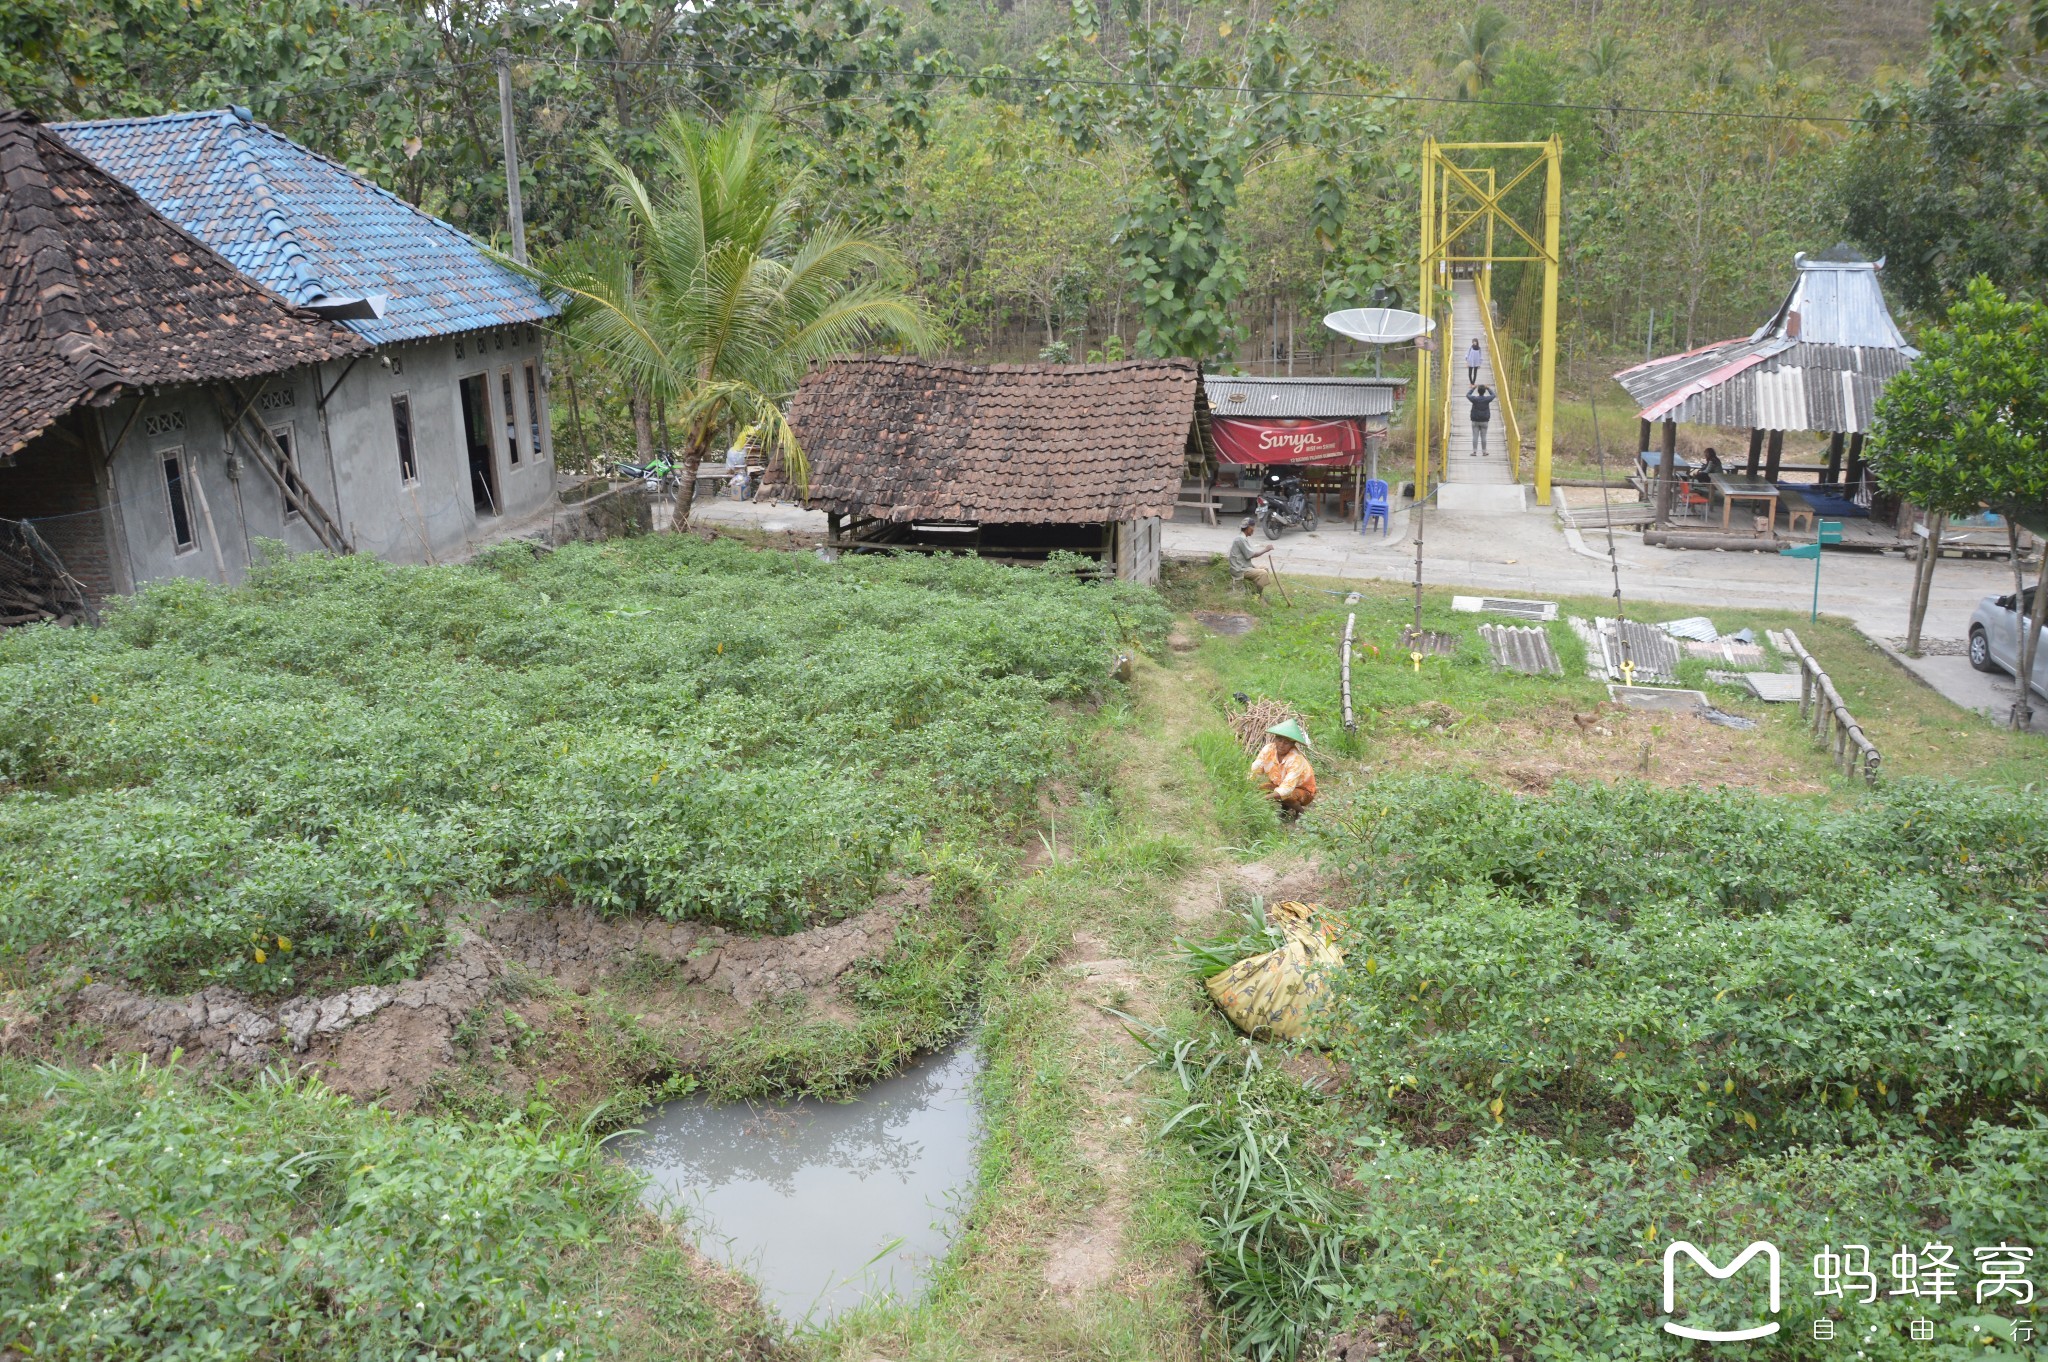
[{"x": 1276, "y": 995}]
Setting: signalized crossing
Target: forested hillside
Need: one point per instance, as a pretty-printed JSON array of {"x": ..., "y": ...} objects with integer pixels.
[{"x": 1202, "y": 178}]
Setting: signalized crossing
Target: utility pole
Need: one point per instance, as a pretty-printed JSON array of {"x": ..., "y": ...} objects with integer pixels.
[{"x": 513, "y": 209}]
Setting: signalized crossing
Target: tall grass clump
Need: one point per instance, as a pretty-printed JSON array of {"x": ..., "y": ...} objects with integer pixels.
[{"x": 294, "y": 779}]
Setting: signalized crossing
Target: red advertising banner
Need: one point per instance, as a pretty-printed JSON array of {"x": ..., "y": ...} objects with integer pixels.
[{"x": 1320, "y": 444}]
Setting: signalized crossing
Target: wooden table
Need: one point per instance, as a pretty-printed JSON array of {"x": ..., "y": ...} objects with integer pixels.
[{"x": 1734, "y": 489}]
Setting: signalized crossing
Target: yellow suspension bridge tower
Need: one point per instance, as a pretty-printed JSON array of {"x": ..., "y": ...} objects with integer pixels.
[{"x": 1466, "y": 227}]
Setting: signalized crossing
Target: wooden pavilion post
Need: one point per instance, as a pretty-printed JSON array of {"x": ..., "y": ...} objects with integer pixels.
[
  {"x": 1772, "y": 454},
  {"x": 1666, "y": 467},
  {"x": 1642, "y": 438},
  {"x": 1756, "y": 451},
  {"x": 1834, "y": 457},
  {"x": 1855, "y": 472}
]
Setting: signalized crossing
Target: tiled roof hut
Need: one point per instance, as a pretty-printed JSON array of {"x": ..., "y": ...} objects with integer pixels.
[{"x": 1011, "y": 461}]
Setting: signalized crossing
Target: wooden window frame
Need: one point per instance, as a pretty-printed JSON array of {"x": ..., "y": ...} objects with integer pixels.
[
  {"x": 508, "y": 391},
  {"x": 287, "y": 438},
  {"x": 409, "y": 447},
  {"x": 536, "y": 436},
  {"x": 164, "y": 458}
]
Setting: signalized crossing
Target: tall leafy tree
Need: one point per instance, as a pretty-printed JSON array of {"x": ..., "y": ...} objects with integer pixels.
[
  {"x": 1209, "y": 95},
  {"x": 715, "y": 288},
  {"x": 1946, "y": 182},
  {"x": 1967, "y": 426}
]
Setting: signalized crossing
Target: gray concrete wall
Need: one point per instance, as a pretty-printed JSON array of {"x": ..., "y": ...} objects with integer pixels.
[
  {"x": 230, "y": 503},
  {"x": 347, "y": 457},
  {"x": 434, "y": 516}
]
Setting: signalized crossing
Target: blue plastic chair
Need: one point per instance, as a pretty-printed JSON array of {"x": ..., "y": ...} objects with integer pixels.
[{"x": 1376, "y": 506}]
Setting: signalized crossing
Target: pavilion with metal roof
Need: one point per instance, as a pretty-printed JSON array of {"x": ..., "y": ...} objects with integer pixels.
[{"x": 1818, "y": 365}]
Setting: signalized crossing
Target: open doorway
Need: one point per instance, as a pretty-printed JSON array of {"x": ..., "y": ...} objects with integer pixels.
[{"x": 476, "y": 433}]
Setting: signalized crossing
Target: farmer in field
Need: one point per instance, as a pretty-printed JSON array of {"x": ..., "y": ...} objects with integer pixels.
[
  {"x": 1242, "y": 553},
  {"x": 1283, "y": 772}
]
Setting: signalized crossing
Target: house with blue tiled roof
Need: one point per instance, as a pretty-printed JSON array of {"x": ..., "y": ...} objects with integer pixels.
[
  {"x": 439, "y": 430},
  {"x": 137, "y": 366}
]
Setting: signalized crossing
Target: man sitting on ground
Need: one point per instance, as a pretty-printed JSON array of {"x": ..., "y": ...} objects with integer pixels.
[
  {"x": 1241, "y": 555},
  {"x": 1283, "y": 771}
]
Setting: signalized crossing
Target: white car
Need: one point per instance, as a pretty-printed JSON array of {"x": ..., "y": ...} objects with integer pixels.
[{"x": 1995, "y": 637}]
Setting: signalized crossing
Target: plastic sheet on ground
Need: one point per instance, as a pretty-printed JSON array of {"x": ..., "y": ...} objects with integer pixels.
[{"x": 1279, "y": 994}]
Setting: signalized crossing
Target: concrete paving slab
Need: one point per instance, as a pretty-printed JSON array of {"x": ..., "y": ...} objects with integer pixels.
[
  {"x": 1659, "y": 699},
  {"x": 1980, "y": 692},
  {"x": 1775, "y": 688}
]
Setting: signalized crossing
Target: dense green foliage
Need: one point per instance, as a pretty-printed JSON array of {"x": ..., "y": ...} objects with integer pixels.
[
  {"x": 1946, "y": 179},
  {"x": 145, "y": 1215},
  {"x": 1769, "y": 974},
  {"x": 1967, "y": 424},
  {"x": 1580, "y": 1026},
  {"x": 260, "y": 785},
  {"x": 1243, "y": 172},
  {"x": 1203, "y": 115}
]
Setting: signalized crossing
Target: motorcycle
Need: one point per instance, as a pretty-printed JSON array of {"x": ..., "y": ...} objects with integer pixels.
[
  {"x": 1285, "y": 502},
  {"x": 660, "y": 475}
]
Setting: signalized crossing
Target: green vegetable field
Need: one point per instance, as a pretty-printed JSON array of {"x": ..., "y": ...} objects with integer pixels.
[
  {"x": 295, "y": 781},
  {"x": 1574, "y": 1027}
]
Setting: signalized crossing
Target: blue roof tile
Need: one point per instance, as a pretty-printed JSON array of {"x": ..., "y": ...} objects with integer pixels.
[{"x": 307, "y": 227}]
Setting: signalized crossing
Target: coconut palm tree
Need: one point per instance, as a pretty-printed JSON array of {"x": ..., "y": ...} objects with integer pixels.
[
  {"x": 712, "y": 289},
  {"x": 1477, "y": 48},
  {"x": 1605, "y": 58}
]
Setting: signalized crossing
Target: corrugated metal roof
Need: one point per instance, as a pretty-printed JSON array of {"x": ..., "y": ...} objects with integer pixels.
[
  {"x": 1822, "y": 372},
  {"x": 307, "y": 227},
  {"x": 1300, "y": 398},
  {"x": 1767, "y": 385},
  {"x": 1835, "y": 303}
]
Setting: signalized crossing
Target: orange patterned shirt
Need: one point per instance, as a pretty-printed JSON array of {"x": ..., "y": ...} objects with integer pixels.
[{"x": 1284, "y": 777}]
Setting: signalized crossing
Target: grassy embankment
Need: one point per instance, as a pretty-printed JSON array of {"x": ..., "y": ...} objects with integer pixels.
[{"x": 1579, "y": 1025}]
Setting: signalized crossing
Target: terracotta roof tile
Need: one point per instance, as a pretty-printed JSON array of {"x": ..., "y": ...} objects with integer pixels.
[
  {"x": 98, "y": 293},
  {"x": 906, "y": 439}
]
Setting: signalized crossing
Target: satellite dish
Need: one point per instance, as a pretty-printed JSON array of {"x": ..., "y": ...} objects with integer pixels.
[{"x": 1379, "y": 325}]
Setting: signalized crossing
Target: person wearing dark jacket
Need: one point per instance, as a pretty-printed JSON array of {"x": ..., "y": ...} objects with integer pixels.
[{"x": 1481, "y": 398}]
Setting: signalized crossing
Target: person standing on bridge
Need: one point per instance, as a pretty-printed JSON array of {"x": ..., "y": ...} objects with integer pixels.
[
  {"x": 1473, "y": 359},
  {"x": 1481, "y": 398}
]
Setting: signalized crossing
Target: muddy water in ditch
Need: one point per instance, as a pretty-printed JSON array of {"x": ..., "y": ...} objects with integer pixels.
[{"x": 825, "y": 1204}]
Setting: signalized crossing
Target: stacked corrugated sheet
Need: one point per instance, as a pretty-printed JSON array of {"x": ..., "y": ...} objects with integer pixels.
[
  {"x": 1611, "y": 643},
  {"x": 1525, "y": 650}
]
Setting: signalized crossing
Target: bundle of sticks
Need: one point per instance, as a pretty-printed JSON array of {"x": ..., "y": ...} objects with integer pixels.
[
  {"x": 1253, "y": 717},
  {"x": 29, "y": 589}
]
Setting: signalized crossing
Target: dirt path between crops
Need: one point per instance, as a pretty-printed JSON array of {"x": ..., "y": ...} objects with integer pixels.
[{"x": 1127, "y": 964}]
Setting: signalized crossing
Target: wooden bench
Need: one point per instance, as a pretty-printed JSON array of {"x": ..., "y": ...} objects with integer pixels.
[
  {"x": 1797, "y": 509},
  {"x": 1199, "y": 495}
]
